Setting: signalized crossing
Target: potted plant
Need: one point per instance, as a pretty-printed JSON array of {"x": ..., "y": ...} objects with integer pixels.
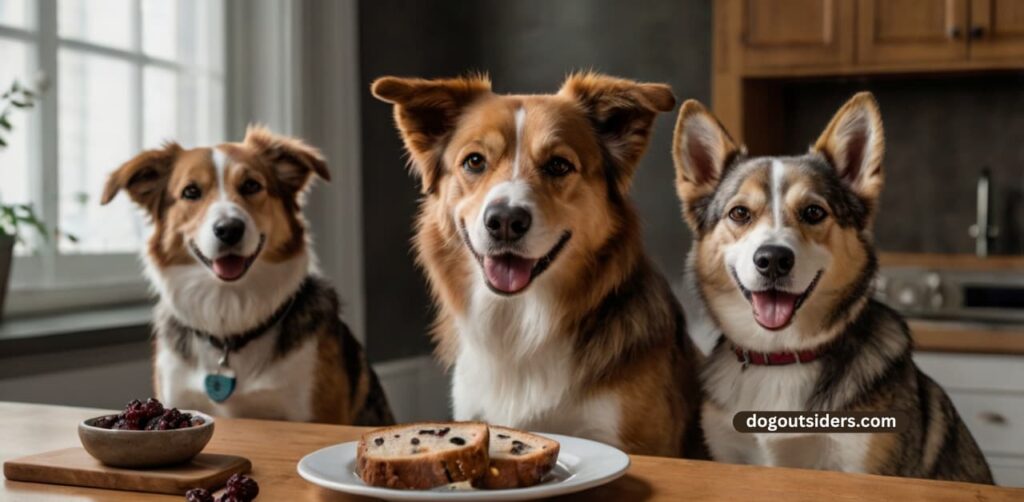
[{"x": 15, "y": 219}]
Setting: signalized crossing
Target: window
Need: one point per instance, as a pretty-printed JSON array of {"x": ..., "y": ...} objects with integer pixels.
[{"x": 120, "y": 76}]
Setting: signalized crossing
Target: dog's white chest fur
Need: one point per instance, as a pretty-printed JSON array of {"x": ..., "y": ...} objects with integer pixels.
[
  {"x": 276, "y": 390},
  {"x": 513, "y": 370},
  {"x": 266, "y": 387},
  {"x": 777, "y": 388}
]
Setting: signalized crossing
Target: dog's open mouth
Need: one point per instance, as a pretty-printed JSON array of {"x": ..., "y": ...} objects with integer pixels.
[
  {"x": 773, "y": 308},
  {"x": 510, "y": 273},
  {"x": 228, "y": 267}
]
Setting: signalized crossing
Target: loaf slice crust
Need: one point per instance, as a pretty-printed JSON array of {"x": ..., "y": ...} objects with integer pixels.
[
  {"x": 423, "y": 455},
  {"x": 518, "y": 459}
]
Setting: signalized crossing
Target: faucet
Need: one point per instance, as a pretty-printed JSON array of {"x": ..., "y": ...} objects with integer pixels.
[{"x": 982, "y": 230}]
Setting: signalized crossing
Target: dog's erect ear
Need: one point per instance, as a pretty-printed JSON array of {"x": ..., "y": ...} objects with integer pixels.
[
  {"x": 144, "y": 178},
  {"x": 426, "y": 112},
  {"x": 854, "y": 143},
  {"x": 701, "y": 149},
  {"x": 622, "y": 112},
  {"x": 293, "y": 161}
]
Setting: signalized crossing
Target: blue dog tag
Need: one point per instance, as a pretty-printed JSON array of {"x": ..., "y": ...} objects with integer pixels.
[{"x": 219, "y": 387}]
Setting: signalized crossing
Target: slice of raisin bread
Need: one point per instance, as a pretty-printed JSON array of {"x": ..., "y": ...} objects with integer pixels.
[
  {"x": 423, "y": 455},
  {"x": 518, "y": 459}
]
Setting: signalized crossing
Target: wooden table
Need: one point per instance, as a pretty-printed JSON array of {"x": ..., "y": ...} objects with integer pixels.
[{"x": 276, "y": 447}]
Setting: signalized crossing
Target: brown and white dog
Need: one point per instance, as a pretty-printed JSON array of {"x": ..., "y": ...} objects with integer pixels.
[
  {"x": 550, "y": 313},
  {"x": 244, "y": 325},
  {"x": 784, "y": 263}
]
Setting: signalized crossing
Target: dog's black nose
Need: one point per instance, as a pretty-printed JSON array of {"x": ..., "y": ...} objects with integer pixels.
[
  {"x": 774, "y": 261},
  {"x": 229, "y": 230},
  {"x": 507, "y": 223}
]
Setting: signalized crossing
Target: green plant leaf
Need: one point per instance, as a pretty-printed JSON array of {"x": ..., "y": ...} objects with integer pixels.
[
  {"x": 5, "y": 122},
  {"x": 21, "y": 104},
  {"x": 2, "y": 143}
]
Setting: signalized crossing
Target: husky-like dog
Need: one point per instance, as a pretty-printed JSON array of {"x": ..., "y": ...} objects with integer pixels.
[
  {"x": 784, "y": 263},
  {"x": 550, "y": 312},
  {"x": 245, "y": 327}
]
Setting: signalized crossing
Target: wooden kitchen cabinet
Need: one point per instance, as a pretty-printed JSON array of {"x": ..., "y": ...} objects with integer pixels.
[
  {"x": 797, "y": 32},
  {"x": 996, "y": 29},
  {"x": 988, "y": 392},
  {"x": 761, "y": 45},
  {"x": 911, "y": 31}
]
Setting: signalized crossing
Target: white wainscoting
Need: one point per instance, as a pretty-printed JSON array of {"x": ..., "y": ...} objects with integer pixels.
[{"x": 417, "y": 388}]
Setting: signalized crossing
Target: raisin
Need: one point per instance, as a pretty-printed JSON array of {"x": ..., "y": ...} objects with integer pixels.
[
  {"x": 151, "y": 408},
  {"x": 105, "y": 422},
  {"x": 378, "y": 441},
  {"x": 135, "y": 418},
  {"x": 126, "y": 425},
  {"x": 152, "y": 424},
  {"x": 502, "y": 436},
  {"x": 428, "y": 431},
  {"x": 457, "y": 440},
  {"x": 415, "y": 440},
  {"x": 443, "y": 431},
  {"x": 518, "y": 447},
  {"x": 242, "y": 488},
  {"x": 198, "y": 495},
  {"x": 133, "y": 405}
]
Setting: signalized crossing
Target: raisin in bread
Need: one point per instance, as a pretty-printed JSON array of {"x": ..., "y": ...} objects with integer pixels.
[
  {"x": 518, "y": 459},
  {"x": 423, "y": 455}
]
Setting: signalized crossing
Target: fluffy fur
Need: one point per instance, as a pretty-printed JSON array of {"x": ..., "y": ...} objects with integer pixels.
[
  {"x": 303, "y": 363},
  {"x": 819, "y": 207},
  {"x": 590, "y": 343}
]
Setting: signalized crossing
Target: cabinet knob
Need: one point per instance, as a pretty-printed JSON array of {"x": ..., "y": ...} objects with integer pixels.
[
  {"x": 977, "y": 32},
  {"x": 992, "y": 418},
  {"x": 954, "y": 32}
]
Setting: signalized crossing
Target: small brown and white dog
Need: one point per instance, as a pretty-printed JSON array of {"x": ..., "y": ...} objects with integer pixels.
[
  {"x": 784, "y": 263},
  {"x": 244, "y": 326},
  {"x": 550, "y": 313}
]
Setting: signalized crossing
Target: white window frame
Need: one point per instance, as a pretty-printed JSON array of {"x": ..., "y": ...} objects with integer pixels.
[{"x": 48, "y": 280}]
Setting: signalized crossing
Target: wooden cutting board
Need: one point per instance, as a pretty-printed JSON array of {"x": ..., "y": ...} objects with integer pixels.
[{"x": 73, "y": 466}]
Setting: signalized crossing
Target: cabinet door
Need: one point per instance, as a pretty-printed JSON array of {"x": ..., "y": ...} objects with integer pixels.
[
  {"x": 797, "y": 33},
  {"x": 912, "y": 31},
  {"x": 997, "y": 29}
]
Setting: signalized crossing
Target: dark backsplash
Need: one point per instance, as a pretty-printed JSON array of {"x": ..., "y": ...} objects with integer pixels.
[{"x": 940, "y": 133}]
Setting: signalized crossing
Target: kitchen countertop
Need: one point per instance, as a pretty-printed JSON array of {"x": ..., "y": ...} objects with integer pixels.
[
  {"x": 963, "y": 337},
  {"x": 951, "y": 261},
  {"x": 955, "y": 336},
  {"x": 276, "y": 447}
]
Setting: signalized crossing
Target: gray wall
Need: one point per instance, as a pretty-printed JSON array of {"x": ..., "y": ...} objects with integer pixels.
[
  {"x": 101, "y": 377},
  {"x": 940, "y": 133},
  {"x": 527, "y": 46}
]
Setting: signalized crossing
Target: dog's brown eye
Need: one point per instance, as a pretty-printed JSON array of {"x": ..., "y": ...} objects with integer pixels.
[
  {"x": 813, "y": 214},
  {"x": 739, "y": 214},
  {"x": 474, "y": 163},
  {"x": 250, "y": 187},
  {"x": 191, "y": 192},
  {"x": 558, "y": 167}
]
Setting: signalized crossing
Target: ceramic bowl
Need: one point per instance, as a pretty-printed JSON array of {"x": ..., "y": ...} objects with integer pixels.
[{"x": 137, "y": 449}]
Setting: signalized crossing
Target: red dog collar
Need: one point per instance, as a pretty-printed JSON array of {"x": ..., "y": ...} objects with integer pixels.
[{"x": 748, "y": 357}]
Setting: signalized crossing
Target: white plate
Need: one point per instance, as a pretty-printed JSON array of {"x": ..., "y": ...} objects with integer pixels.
[{"x": 581, "y": 464}]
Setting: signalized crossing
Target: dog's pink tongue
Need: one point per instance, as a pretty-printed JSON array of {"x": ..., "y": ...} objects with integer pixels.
[
  {"x": 229, "y": 267},
  {"x": 508, "y": 273},
  {"x": 774, "y": 309}
]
